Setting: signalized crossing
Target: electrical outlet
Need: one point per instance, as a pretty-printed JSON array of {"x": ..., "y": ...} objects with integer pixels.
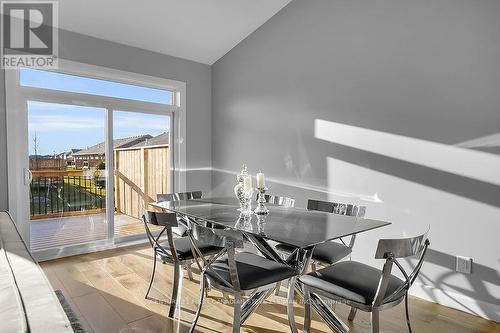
[{"x": 464, "y": 265}]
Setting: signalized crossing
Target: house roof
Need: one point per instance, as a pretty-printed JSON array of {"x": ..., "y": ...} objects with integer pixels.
[
  {"x": 69, "y": 153},
  {"x": 98, "y": 149},
  {"x": 159, "y": 140}
]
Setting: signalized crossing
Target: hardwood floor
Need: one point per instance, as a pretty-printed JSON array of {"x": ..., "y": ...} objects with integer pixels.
[
  {"x": 70, "y": 230},
  {"x": 106, "y": 290}
]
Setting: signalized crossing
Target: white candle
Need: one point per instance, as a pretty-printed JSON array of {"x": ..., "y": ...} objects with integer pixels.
[
  {"x": 261, "y": 181},
  {"x": 247, "y": 184}
]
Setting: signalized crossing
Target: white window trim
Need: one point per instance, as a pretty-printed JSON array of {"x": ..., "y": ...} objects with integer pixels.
[
  {"x": 17, "y": 94},
  {"x": 109, "y": 74}
]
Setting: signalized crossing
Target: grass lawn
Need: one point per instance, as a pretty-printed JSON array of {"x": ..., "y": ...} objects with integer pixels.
[{"x": 53, "y": 195}]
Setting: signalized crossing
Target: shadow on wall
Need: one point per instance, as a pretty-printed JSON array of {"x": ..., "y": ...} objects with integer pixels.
[
  {"x": 420, "y": 183},
  {"x": 412, "y": 183},
  {"x": 464, "y": 172},
  {"x": 481, "y": 280}
]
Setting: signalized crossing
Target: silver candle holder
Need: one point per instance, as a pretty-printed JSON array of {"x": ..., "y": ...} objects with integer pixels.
[
  {"x": 261, "y": 224},
  {"x": 261, "y": 208},
  {"x": 239, "y": 190}
]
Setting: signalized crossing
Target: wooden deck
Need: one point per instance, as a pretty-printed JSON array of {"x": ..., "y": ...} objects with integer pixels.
[
  {"x": 106, "y": 290},
  {"x": 72, "y": 230}
]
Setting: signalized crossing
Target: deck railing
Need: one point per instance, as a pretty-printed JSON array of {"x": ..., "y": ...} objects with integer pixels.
[
  {"x": 139, "y": 174},
  {"x": 59, "y": 193}
]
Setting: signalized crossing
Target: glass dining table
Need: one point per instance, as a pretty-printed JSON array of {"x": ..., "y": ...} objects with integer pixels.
[{"x": 300, "y": 228}]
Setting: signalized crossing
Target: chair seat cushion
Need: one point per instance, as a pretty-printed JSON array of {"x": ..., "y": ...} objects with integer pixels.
[
  {"x": 330, "y": 252},
  {"x": 253, "y": 271},
  {"x": 351, "y": 280},
  {"x": 183, "y": 248},
  {"x": 326, "y": 253}
]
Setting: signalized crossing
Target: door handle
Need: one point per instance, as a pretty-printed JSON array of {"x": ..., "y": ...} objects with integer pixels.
[{"x": 28, "y": 176}]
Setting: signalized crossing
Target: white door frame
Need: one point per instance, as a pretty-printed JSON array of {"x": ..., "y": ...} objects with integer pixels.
[{"x": 17, "y": 143}]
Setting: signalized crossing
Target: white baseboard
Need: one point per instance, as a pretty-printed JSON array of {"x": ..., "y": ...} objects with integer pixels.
[{"x": 457, "y": 301}]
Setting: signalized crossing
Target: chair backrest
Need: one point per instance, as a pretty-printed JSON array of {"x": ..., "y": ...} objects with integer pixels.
[
  {"x": 178, "y": 196},
  {"x": 181, "y": 229},
  {"x": 228, "y": 240},
  {"x": 167, "y": 221},
  {"x": 391, "y": 250},
  {"x": 336, "y": 207},
  {"x": 278, "y": 200}
]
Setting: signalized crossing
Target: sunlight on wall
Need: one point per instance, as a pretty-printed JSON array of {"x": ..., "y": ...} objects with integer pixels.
[
  {"x": 457, "y": 224},
  {"x": 492, "y": 140},
  {"x": 464, "y": 162}
]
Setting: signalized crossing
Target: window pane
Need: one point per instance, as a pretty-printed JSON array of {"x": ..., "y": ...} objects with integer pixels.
[
  {"x": 67, "y": 160},
  {"x": 142, "y": 166},
  {"x": 79, "y": 84}
]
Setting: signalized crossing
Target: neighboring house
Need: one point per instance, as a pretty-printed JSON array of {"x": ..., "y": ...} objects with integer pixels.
[
  {"x": 92, "y": 156},
  {"x": 68, "y": 157},
  {"x": 156, "y": 141}
]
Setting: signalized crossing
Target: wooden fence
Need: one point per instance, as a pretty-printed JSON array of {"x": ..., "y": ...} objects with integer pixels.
[{"x": 140, "y": 173}]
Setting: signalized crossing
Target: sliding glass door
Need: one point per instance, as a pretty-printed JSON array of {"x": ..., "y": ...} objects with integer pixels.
[
  {"x": 67, "y": 192},
  {"x": 141, "y": 153},
  {"x": 91, "y": 155}
]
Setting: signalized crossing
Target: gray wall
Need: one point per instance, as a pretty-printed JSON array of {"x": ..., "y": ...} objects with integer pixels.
[
  {"x": 422, "y": 69},
  {"x": 3, "y": 146},
  {"x": 197, "y": 76}
]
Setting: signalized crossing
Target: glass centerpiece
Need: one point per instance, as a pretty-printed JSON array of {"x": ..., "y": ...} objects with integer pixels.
[{"x": 243, "y": 190}]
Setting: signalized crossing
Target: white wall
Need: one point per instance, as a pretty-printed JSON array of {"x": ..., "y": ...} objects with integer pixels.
[
  {"x": 197, "y": 76},
  {"x": 422, "y": 74}
]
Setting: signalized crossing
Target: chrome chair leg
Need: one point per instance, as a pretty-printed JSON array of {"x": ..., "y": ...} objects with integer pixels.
[
  {"x": 290, "y": 310},
  {"x": 277, "y": 290},
  {"x": 237, "y": 313},
  {"x": 375, "y": 321},
  {"x": 200, "y": 303},
  {"x": 207, "y": 288},
  {"x": 407, "y": 313},
  {"x": 313, "y": 267},
  {"x": 175, "y": 287},
  {"x": 190, "y": 273},
  {"x": 352, "y": 314},
  {"x": 307, "y": 310},
  {"x": 152, "y": 275}
]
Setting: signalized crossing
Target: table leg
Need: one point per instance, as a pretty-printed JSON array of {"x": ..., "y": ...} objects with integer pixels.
[
  {"x": 259, "y": 296},
  {"x": 303, "y": 258},
  {"x": 300, "y": 260},
  {"x": 253, "y": 301},
  {"x": 263, "y": 246},
  {"x": 324, "y": 311}
]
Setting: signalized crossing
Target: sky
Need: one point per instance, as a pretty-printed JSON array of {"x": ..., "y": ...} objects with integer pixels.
[{"x": 60, "y": 127}]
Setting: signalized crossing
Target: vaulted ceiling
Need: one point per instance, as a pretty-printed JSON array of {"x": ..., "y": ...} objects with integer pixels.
[{"x": 198, "y": 30}]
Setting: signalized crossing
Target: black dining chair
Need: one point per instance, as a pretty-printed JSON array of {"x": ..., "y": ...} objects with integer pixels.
[
  {"x": 330, "y": 252},
  {"x": 233, "y": 272},
  {"x": 364, "y": 287},
  {"x": 174, "y": 251},
  {"x": 177, "y": 196},
  {"x": 180, "y": 230}
]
